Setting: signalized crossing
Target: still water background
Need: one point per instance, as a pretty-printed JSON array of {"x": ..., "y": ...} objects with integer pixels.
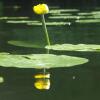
[{"x": 81, "y": 82}]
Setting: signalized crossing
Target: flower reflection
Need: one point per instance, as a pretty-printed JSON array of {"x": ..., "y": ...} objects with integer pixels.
[{"x": 42, "y": 81}]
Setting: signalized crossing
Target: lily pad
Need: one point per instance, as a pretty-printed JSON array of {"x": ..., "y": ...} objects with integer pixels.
[
  {"x": 95, "y": 12},
  {"x": 39, "y": 61},
  {"x": 69, "y": 17},
  {"x": 63, "y": 10},
  {"x": 88, "y": 21},
  {"x": 75, "y": 47},
  {"x": 50, "y": 23},
  {"x": 84, "y": 13},
  {"x": 36, "y": 23},
  {"x": 61, "y": 14},
  {"x": 21, "y": 21},
  {"x": 6, "y": 17},
  {"x": 62, "y": 17},
  {"x": 25, "y": 44}
]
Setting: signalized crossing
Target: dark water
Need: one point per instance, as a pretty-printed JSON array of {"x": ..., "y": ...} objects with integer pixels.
[{"x": 81, "y": 82}]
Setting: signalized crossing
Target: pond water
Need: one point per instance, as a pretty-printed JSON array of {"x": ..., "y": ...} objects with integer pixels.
[{"x": 65, "y": 25}]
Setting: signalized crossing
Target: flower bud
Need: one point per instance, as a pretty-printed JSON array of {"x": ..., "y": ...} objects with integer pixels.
[{"x": 41, "y": 9}]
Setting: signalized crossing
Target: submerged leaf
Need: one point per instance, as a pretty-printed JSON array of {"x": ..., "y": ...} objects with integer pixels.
[
  {"x": 39, "y": 61},
  {"x": 73, "y": 47}
]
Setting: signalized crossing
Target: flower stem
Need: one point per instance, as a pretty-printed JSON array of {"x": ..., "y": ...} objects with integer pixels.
[
  {"x": 47, "y": 37},
  {"x": 45, "y": 29}
]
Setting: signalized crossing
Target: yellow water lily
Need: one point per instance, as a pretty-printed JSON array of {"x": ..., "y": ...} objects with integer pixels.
[{"x": 41, "y": 9}]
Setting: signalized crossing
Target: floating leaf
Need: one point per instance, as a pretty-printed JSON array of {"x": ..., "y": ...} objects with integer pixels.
[
  {"x": 63, "y": 10},
  {"x": 61, "y": 14},
  {"x": 73, "y": 47},
  {"x": 84, "y": 13},
  {"x": 21, "y": 21},
  {"x": 96, "y": 16},
  {"x": 36, "y": 23},
  {"x": 39, "y": 61},
  {"x": 25, "y": 44},
  {"x": 88, "y": 21},
  {"x": 69, "y": 17},
  {"x": 62, "y": 17},
  {"x": 95, "y": 12},
  {"x": 51, "y": 23},
  {"x": 6, "y": 17}
]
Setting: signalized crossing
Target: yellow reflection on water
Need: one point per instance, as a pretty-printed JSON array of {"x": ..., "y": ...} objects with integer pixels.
[
  {"x": 42, "y": 84},
  {"x": 42, "y": 81},
  {"x": 42, "y": 76}
]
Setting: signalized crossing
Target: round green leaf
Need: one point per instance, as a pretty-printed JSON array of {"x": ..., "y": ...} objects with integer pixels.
[
  {"x": 73, "y": 47},
  {"x": 39, "y": 61}
]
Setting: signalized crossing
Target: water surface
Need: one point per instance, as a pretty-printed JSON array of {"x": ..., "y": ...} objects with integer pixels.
[{"x": 64, "y": 26}]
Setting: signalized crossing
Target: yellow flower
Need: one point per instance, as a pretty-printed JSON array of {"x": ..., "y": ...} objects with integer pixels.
[{"x": 41, "y": 9}]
